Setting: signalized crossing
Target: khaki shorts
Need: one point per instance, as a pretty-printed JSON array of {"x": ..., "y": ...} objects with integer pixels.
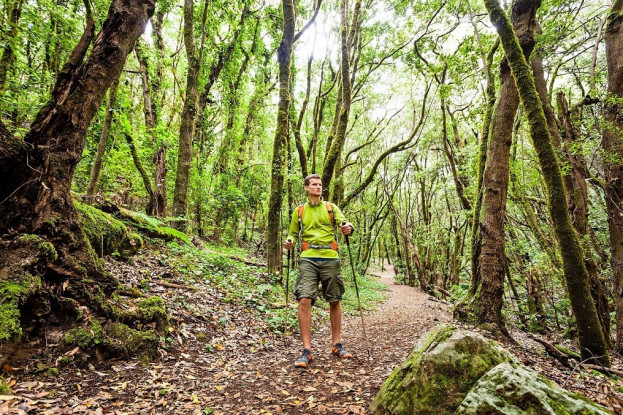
[{"x": 327, "y": 272}]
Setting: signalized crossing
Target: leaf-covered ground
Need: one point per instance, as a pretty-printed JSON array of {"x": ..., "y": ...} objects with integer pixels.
[{"x": 224, "y": 355}]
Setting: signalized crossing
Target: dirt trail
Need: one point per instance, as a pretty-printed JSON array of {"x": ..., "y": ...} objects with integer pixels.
[
  {"x": 331, "y": 385},
  {"x": 243, "y": 369}
]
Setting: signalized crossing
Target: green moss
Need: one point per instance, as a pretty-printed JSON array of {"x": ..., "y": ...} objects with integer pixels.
[
  {"x": 45, "y": 248},
  {"x": 567, "y": 351},
  {"x": 105, "y": 233},
  {"x": 85, "y": 337},
  {"x": 149, "y": 310},
  {"x": 52, "y": 371},
  {"x": 438, "y": 373},
  {"x": 13, "y": 293},
  {"x": 151, "y": 226},
  {"x": 130, "y": 245},
  {"x": 129, "y": 342}
]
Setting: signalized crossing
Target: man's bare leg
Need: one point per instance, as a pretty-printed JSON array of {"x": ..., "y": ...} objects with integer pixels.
[
  {"x": 304, "y": 312},
  {"x": 335, "y": 313}
]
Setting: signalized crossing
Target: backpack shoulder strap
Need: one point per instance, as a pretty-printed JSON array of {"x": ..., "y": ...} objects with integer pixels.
[
  {"x": 330, "y": 210},
  {"x": 300, "y": 209}
]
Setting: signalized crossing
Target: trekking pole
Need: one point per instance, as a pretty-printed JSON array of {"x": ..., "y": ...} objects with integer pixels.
[
  {"x": 363, "y": 326},
  {"x": 287, "y": 288}
]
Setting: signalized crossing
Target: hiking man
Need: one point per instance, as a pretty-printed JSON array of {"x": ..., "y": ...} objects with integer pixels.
[{"x": 319, "y": 262}]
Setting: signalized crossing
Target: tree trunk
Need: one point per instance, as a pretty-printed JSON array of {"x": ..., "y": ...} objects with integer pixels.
[
  {"x": 96, "y": 168},
  {"x": 43, "y": 244},
  {"x": 8, "y": 56},
  {"x": 592, "y": 343},
  {"x": 343, "y": 111},
  {"x": 187, "y": 122},
  {"x": 284, "y": 55},
  {"x": 488, "y": 299},
  {"x": 160, "y": 181},
  {"x": 613, "y": 147},
  {"x": 143, "y": 173},
  {"x": 576, "y": 190},
  {"x": 475, "y": 241}
]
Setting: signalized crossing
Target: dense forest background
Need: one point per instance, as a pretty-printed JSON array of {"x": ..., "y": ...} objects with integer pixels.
[{"x": 408, "y": 110}]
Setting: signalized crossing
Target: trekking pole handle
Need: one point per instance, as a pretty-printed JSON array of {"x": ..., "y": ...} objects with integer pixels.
[{"x": 344, "y": 223}]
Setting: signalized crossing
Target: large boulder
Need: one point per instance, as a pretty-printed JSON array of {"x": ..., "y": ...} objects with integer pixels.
[
  {"x": 458, "y": 371},
  {"x": 514, "y": 389},
  {"x": 438, "y": 373}
]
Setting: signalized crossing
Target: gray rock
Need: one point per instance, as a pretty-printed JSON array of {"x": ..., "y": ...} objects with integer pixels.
[{"x": 513, "y": 389}]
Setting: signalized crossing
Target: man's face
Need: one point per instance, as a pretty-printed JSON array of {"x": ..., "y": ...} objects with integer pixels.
[{"x": 314, "y": 188}]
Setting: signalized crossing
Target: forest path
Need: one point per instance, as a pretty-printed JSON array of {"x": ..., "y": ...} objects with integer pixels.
[
  {"x": 222, "y": 360},
  {"x": 332, "y": 385}
]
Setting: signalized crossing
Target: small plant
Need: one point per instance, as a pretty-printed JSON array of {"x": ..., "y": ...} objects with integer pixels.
[{"x": 4, "y": 387}]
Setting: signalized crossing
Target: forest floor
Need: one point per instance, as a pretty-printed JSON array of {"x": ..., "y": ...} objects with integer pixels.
[{"x": 223, "y": 360}]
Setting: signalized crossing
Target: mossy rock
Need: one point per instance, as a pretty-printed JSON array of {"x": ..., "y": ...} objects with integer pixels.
[
  {"x": 104, "y": 232},
  {"x": 438, "y": 373},
  {"x": 514, "y": 389},
  {"x": 130, "y": 245}
]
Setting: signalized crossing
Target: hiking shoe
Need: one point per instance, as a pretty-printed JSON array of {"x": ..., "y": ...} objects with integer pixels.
[
  {"x": 305, "y": 358},
  {"x": 338, "y": 350}
]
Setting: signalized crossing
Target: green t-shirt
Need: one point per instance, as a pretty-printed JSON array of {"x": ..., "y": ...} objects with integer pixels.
[{"x": 317, "y": 228}]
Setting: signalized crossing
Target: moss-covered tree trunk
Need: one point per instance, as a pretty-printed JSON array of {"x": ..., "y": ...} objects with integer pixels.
[
  {"x": 475, "y": 241},
  {"x": 284, "y": 55},
  {"x": 343, "y": 109},
  {"x": 575, "y": 180},
  {"x": 187, "y": 121},
  {"x": 487, "y": 301},
  {"x": 96, "y": 167},
  {"x": 47, "y": 268},
  {"x": 592, "y": 343},
  {"x": 613, "y": 147}
]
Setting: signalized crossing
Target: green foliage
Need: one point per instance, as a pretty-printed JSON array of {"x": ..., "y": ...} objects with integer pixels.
[{"x": 4, "y": 387}]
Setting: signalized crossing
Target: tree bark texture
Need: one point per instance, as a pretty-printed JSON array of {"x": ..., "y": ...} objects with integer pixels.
[
  {"x": 284, "y": 56},
  {"x": 475, "y": 241},
  {"x": 141, "y": 170},
  {"x": 592, "y": 343},
  {"x": 35, "y": 197},
  {"x": 488, "y": 300},
  {"x": 613, "y": 147}
]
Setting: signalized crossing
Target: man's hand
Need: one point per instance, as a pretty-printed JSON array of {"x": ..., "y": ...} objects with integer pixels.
[
  {"x": 346, "y": 229},
  {"x": 288, "y": 244}
]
